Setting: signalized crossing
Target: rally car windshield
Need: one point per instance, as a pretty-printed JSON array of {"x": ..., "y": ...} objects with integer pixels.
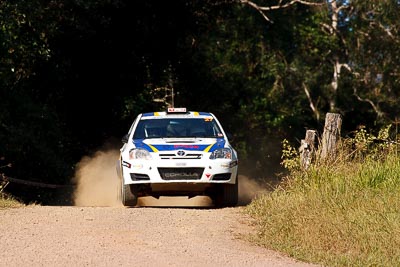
[{"x": 177, "y": 127}]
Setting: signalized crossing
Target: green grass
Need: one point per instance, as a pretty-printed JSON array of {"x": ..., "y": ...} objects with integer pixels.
[{"x": 345, "y": 213}]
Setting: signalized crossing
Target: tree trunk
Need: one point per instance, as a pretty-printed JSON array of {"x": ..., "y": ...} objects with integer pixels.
[
  {"x": 307, "y": 149},
  {"x": 331, "y": 135}
]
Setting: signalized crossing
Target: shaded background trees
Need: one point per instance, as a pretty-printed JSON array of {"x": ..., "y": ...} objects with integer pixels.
[{"x": 74, "y": 74}]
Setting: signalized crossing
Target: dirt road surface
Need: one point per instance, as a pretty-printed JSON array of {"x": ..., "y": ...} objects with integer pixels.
[{"x": 118, "y": 236}]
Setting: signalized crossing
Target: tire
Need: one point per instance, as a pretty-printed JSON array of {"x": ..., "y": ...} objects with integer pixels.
[
  {"x": 231, "y": 194},
  {"x": 227, "y": 195},
  {"x": 128, "y": 194}
]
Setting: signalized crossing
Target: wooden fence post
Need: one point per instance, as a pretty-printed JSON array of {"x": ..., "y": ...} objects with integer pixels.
[
  {"x": 331, "y": 135},
  {"x": 307, "y": 149}
]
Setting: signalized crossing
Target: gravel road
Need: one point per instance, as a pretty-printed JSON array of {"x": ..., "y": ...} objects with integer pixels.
[{"x": 117, "y": 236}]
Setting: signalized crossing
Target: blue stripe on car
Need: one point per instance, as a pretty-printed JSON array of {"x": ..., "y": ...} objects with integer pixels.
[
  {"x": 170, "y": 147},
  {"x": 148, "y": 114}
]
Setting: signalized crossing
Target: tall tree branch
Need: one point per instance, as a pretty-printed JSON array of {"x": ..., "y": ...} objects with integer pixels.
[
  {"x": 263, "y": 9},
  {"x": 375, "y": 107},
  {"x": 312, "y": 106}
]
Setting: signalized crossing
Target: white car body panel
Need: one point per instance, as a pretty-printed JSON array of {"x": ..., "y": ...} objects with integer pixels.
[{"x": 178, "y": 160}]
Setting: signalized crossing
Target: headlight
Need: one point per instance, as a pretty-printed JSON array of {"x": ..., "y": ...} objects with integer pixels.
[
  {"x": 221, "y": 153},
  {"x": 139, "y": 153}
]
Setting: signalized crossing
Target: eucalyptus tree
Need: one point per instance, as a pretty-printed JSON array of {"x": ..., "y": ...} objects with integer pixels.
[
  {"x": 348, "y": 54},
  {"x": 374, "y": 49}
]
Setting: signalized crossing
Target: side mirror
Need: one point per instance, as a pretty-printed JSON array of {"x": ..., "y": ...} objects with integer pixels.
[{"x": 125, "y": 139}]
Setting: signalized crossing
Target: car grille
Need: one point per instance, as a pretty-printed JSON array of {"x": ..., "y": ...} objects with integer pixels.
[
  {"x": 174, "y": 156},
  {"x": 181, "y": 173}
]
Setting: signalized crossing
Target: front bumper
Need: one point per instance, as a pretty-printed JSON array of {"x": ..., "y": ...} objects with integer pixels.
[{"x": 204, "y": 171}]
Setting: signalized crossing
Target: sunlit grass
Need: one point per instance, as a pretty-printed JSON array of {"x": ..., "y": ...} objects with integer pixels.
[
  {"x": 9, "y": 202},
  {"x": 345, "y": 213}
]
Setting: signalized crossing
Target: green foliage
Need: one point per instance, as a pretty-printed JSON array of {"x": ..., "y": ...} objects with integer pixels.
[
  {"x": 374, "y": 53},
  {"x": 254, "y": 81},
  {"x": 290, "y": 156},
  {"x": 366, "y": 145},
  {"x": 25, "y": 28}
]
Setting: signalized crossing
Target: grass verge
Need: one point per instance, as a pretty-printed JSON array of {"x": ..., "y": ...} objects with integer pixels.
[
  {"x": 9, "y": 202},
  {"x": 345, "y": 213}
]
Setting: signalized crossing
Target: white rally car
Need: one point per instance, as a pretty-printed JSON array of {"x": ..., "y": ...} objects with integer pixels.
[{"x": 178, "y": 153}]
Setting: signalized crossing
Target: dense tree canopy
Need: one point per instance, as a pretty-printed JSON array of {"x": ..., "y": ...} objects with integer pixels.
[{"x": 73, "y": 74}]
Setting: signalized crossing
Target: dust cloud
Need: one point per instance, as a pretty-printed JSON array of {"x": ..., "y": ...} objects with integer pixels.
[
  {"x": 96, "y": 180},
  {"x": 97, "y": 184},
  {"x": 249, "y": 188}
]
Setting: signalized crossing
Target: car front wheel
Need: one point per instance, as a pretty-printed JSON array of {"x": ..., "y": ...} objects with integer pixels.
[
  {"x": 227, "y": 195},
  {"x": 128, "y": 195}
]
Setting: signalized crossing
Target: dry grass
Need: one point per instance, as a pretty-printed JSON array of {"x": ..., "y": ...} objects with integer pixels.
[
  {"x": 9, "y": 202},
  {"x": 345, "y": 213}
]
